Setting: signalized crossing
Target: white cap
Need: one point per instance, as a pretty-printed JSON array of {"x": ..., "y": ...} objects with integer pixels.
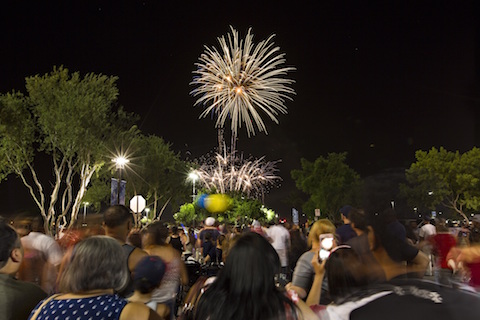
[{"x": 209, "y": 221}]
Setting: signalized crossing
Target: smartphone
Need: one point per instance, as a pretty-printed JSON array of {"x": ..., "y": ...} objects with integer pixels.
[{"x": 326, "y": 245}]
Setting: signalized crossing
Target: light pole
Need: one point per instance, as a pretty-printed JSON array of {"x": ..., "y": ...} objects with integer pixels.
[
  {"x": 120, "y": 163},
  {"x": 193, "y": 176},
  {"x": 85, "y": 204}
]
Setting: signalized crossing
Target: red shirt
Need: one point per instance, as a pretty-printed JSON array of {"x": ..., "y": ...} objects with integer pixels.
[{"x": 442, "y": 243}]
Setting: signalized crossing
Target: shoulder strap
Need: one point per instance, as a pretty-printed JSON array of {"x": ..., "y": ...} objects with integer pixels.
[{"x": 35, "y": 315}]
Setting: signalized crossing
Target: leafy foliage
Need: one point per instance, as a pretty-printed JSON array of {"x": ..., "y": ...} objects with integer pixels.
[
  {"x": 443, "y": 177},
  {"x": 329, "y": 182},
  {"x": 69, "y": 118},
  {"x": 156, "y": 171},
  {"x": 249, "y": 209},
  {"x": 186, "y": 215},
  {"x": 17, "y": 134}
]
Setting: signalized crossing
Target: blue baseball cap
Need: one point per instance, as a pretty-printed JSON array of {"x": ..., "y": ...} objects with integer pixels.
[{"x": 151, "y": 269}]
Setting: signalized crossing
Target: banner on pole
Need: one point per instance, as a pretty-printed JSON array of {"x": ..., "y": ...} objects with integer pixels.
[
  {"x": 295, "y": 216},
  {"x": 114, "y": 192},
  {"x": 121, "y": 192}
]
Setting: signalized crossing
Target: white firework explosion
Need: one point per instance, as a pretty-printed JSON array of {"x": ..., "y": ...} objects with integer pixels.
[
  {"x": 230, "y": 174},
  {"x": 240, "y": 79}
]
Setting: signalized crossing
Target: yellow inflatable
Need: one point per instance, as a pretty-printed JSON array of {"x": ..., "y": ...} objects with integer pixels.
[{"x": 216, "y": 203}]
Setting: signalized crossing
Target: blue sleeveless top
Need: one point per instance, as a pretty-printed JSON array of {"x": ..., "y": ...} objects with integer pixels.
[{"x": 99, "y": 308}]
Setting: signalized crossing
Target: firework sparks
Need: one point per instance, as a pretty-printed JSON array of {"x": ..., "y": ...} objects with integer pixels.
[
  {"x": 228, "y": 173},
  {"x": 240, "y": 79}
]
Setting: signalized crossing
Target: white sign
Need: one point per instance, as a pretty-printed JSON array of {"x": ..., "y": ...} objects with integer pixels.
[
  {"x": 317, "y": 212},
  {"x": 137, "y": 204},
  {"x": 295, "y": 216}
]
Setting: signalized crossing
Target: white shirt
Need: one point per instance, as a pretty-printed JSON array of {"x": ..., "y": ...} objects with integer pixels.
[
  {"x": 427, "y": 230},
  {"x": 45, "y": 244},
  {"x": 280, "y": 237}
]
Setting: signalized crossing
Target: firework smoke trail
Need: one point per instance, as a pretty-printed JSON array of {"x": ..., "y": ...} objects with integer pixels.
[
  {"x": 241, "y": 79},
  {"x": 228, "y": 173}
]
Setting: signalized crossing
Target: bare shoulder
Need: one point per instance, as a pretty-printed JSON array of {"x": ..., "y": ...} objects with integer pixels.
[
  {"x": 138, "y": 311},
  {"x": 135, "y": 256}
]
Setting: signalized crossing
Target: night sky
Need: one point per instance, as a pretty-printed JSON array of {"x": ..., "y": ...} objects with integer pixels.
[{"x": 378, "y": 79}]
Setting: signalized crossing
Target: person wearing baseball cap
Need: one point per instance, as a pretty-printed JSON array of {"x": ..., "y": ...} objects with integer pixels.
[
  {"x": 147, "y": 276},
  {"x": 209, "y": 227},
  {"x": 345, "y": 232}
]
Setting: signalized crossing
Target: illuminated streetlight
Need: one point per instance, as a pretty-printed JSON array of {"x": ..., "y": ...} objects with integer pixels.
[
  {"x": 120, "y": 163},
  {"x": 85, "y": 204},
  {"x": 194, "y": 177}
]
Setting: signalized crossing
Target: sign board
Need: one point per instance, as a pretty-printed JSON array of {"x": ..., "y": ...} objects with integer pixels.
[
  {"x": 295, "y": 216},
  {"x": 317, "y": 212},
  {"x": 138, "y": 203}
]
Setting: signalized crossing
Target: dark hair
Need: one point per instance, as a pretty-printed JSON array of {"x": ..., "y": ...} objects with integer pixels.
[
  {"x": 116, "y": 215},
  {"x": 345, "y": 273},
  {"x": 135, "y": 238},
  {"x": 390, "y": 235},
  {"x": 245, "y": 288},
  {"x": 159, "y": 233},
  {"x": 8, "y": 241},
  {"x": 174, "y": 229},
  {"x": 357, "y": 217},
  {"x": 220, "y": 239}
]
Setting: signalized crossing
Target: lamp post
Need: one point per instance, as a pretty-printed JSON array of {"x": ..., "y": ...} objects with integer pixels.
[
  {"x": 85, "y": 204},
  {"x": 120, "y": 163},
  {"x": 193, "y": 176}
]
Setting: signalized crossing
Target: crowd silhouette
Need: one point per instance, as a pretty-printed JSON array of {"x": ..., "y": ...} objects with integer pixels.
[{"x": 371, "y": 266}]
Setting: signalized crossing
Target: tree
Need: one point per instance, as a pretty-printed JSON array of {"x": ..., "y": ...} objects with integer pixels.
[
  {"x": 329, "y": 182},
  {"x": 441, "y": 177},
  {"x": 156, "y": 172},
  {"x": 186, "y": 214},
  {"x": 68, "y": 118},
  {"x": 245, "y": 209}
]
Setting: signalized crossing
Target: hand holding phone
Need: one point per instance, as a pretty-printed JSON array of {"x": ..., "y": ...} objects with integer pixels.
[{"x": 326, "y": 245}]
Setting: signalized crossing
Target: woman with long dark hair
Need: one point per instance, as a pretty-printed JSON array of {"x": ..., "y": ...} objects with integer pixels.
[{"x": 245, "y": 288}]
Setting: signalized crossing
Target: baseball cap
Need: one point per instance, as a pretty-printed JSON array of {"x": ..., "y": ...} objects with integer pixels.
[
  {"x": 345, "y": 210},
  {"x": 150, "y": 269},
  {"x": 209, "y": 221}
]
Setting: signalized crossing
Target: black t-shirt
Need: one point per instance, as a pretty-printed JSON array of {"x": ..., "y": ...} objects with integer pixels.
[
  {"x": 410, "y": 299},
  {"x": 345, "y": 233},
  {"x": 177, "y": 243},
  {"x": 207, "y": 246},
  {"x": 214, "y": 233}
]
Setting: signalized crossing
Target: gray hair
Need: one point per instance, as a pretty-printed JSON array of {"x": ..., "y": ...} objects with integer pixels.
[{"x": 96, "y": 263}]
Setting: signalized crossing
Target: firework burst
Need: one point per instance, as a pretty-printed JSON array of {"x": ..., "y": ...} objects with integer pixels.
[
  {"x": 241, "y": 79},
  {"x": 230, "y": 174}
]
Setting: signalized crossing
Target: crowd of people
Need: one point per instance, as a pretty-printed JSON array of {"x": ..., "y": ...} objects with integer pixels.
[{"x": 369, "y": 266}]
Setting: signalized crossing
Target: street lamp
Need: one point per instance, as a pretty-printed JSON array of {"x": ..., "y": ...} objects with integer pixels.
[
  {"x": 85, "y": 204},
  {"x": 194, "y": 177},
  {"x": 120, "y": 163}
]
